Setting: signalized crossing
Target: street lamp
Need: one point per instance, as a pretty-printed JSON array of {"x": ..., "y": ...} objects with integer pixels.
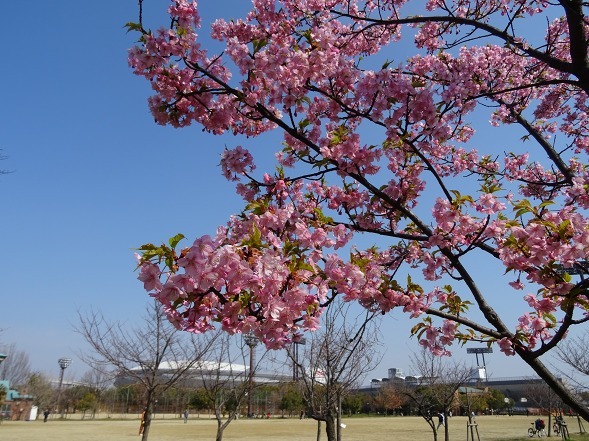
[
  {"x": 251, "y": 340},
  {"x": 63, "y": 364}
]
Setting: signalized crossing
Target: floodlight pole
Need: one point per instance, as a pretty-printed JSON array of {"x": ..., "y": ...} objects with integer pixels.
[
  {"x": 482, "y": 351},
  {"x": 63, "y": 364},
  {"x": 295, "y": 356},
  {"x": 251, "y": 341}
]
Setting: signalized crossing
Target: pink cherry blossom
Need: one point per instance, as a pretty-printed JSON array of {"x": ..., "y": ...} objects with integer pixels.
[
  {"x": 150, "y": 276},
  {"x": 388, "y": 189},
  {"x": 506, "y": 346}
]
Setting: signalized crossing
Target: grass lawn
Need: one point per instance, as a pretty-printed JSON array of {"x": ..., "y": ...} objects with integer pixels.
[{"x": 490, "y": 428}]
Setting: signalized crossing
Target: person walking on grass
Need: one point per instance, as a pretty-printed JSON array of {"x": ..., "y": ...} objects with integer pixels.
[{"x": 440, "y": 420}]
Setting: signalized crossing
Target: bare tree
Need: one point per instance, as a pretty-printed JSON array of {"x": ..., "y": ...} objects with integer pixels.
[
  {"x": 153, "y": 354},
  {"x": 97, "y": 379},
  {"x": 3, "y": 172},
  {"x": 39, "y": 387},
  {"x": 93, "y": 384},
  {"x": 436, "y": 388},
  {"x": 542, "y": 396},
  {"x": 335, "y": 359},
  {"x": 225, "y": 383},
  {"x": 16, "y": 368},
  {"x": 573, "y": 353}
]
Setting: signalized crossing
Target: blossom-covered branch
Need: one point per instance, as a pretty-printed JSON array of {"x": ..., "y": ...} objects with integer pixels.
[{"x": 374, "y": 145}]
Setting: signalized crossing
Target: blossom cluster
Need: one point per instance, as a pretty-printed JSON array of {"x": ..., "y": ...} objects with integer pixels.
[{"x": 318, "y": 70}]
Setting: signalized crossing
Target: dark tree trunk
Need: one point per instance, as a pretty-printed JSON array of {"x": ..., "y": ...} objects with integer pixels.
[
  {"x": 330, "y": 429},
  {"x": 563, "y": 392},
  {"x": 220, "y": 429},
  {"x": 146, "y": 423}
]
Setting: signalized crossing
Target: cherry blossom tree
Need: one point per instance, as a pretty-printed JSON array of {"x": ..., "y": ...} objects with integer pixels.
[{"x": 385, "y": 148}]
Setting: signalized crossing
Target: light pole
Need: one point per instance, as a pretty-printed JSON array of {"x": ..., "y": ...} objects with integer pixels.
[
  {"x": 251, "y": 340},
  {"x": 63, "y": 364},
  {"x": 295, "y": 362},
  {"x": 127, "y": 402},
  {"x": 482, "y": 351}
]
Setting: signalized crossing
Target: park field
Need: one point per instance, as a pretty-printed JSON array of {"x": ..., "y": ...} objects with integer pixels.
[{"x": 490, "y": 428}]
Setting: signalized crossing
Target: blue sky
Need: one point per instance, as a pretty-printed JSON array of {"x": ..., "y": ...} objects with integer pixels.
[{"x": 93, "y": 177}]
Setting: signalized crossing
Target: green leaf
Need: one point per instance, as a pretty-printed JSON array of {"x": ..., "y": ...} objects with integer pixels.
[
  {"x": 258, "y": 207},
  {"x": 322, "y": 218},
  {"x": 259, "y": 44},
  {"x": 255, "y": 239},
  {"x": 304, "y": 123},
  {"x": 417, "y": 329},
  {"x": 173, "y": 241},
  {"x": 563, "y": 229},
  {"x": 147, "y": 246},
  {"x": 307, "y": 34},
  {"x": 521, "y": 212},
  {"x": 131, "y": 26},
  {"x": 550, "y": 318}
]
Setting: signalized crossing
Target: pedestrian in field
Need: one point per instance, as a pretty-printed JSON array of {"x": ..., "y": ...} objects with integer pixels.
[
  {"x": 440, "y": 420},
  {"x": 45, "y": 415},
  {"x": 142, "y": 424},
  {"x": 185, "y": 416}
]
